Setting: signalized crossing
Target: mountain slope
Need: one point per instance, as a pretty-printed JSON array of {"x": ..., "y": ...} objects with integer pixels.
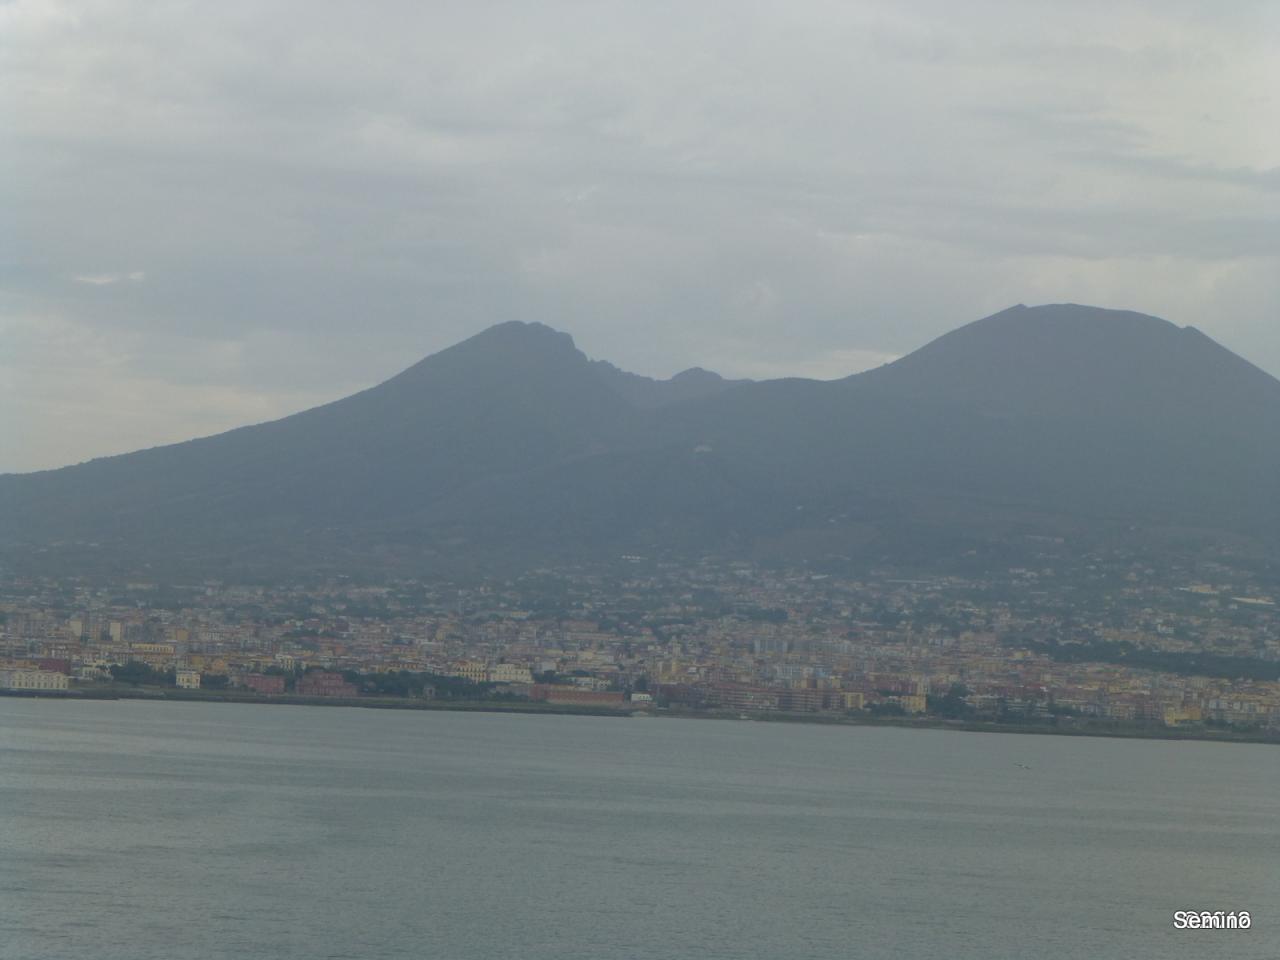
[
  {"x": 513, "y": 448},
  {"x": 513, "y": 396},
  {"x": 1071, "y": 415},
  {"x": 1109, "y": 410}
]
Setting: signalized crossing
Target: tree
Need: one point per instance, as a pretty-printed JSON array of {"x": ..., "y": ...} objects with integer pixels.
[
  {"x": 137, "y": 673},
  {"x": 887, "y": 708},
  {"x": 951, "y": 704}
]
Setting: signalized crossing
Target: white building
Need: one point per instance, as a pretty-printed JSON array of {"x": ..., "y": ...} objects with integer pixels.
[
  {"x": 187, "y": 679},
  {"x": 510, "y": 673},
  {"x": 32, "y": 680}
]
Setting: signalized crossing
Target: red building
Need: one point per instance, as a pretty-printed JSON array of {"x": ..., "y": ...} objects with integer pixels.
[
  {"x": 264, "y": 683},
  {"x": 322, "y": 683},
  {"x": 557, "y": 694}
]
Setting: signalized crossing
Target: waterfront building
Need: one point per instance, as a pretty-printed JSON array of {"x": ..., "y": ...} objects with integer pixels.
[
  {"x": 32, "y": 680},
  {"x": 266, "y": 684},
  {"x": 322, "y": 683}
]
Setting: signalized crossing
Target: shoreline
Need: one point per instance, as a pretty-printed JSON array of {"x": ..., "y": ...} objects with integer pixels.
[
  {"x": 167, "y": 695},
  {"x": 1116, "y": 730}
]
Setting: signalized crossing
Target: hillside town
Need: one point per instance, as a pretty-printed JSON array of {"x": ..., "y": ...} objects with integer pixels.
[{"x": 1112, "y": 640}]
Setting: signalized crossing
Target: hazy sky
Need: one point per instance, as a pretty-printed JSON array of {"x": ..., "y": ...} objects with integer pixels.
[{"x": 218, "y": 213}]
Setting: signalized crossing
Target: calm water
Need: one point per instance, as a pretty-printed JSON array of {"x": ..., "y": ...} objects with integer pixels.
[{"x": 138, "y": 830}]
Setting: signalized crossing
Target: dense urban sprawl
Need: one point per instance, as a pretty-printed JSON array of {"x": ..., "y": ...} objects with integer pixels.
[{"x": 1107, "y": 639}]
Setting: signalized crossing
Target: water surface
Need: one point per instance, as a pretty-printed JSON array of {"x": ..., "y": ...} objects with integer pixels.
[{"x": 133, "y": 830}]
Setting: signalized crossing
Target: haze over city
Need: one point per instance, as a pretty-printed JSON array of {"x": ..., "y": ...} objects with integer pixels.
[{"x": 222, "y": 214}]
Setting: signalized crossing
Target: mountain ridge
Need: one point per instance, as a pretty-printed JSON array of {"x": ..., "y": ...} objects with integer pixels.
[{"x": 514, "y": 446}]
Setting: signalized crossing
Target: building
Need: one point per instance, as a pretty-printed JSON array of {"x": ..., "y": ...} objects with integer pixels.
[
  {"x": 32, "y": 680},
  {"x": 554, "y": 693},
  {"x": 322, "y": 683},
  {"x": 153, "y": 654},
  {"x": 474, "y": 670},
  {"x": 509, "y": 673},
  {"x": 736, "y": 697},
  {"x": 810, "y": 699},
  {"x": 913, "y": 702},
  {"x": 265, "y": 683},
  {"x": 187, "y": 679},
  {"x": 1177, "y": 715}
]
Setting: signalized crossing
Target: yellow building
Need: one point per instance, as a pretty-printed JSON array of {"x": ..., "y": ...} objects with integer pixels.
[
  {"x": 1176, "y": 715},
  {"x": 913, "y": 702},
  {"x": 474, "y": 670},
  {"x": 151, "y": 652}
]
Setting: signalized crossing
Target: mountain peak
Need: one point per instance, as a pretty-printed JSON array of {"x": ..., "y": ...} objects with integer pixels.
[
  {"x": 523, "y": 332},
  {"x": 1068, "y": 360},
  {"x": 1069, "y": 315},
  {"x": 517, "y": 339},
  {"x": 694, "y": 374},
  {"x": 505, "y": 351}
]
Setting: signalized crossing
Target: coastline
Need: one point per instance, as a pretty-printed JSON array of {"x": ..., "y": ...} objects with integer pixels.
[
  {"x": 1071, "y": 728},
  {"x": 169, "y": 695}
]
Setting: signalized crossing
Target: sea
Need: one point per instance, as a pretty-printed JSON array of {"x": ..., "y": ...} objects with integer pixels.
[{"x": 133, "y": 830}]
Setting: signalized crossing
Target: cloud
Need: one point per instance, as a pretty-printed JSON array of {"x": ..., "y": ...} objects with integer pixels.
[
  {"x": 106, "y": 279},
  {"x": 321, "y": 195},
  {"x": 58, "y": 376}
]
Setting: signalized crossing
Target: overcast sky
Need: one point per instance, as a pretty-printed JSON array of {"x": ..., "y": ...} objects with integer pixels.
[{"x": 218, "y": 213}]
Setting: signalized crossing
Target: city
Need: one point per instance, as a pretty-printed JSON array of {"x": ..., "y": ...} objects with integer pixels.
[{"x": 1107, "y": 644}]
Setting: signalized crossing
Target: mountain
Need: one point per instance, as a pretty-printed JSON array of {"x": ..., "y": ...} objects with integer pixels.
[
  {"x": 514, "y": 449},
  {"x": 1054, "y": 420},
  {"x": 1066, "y": 361},
  {"x": 512, "y": 398},
  {"x": 648, "y": 393}
]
